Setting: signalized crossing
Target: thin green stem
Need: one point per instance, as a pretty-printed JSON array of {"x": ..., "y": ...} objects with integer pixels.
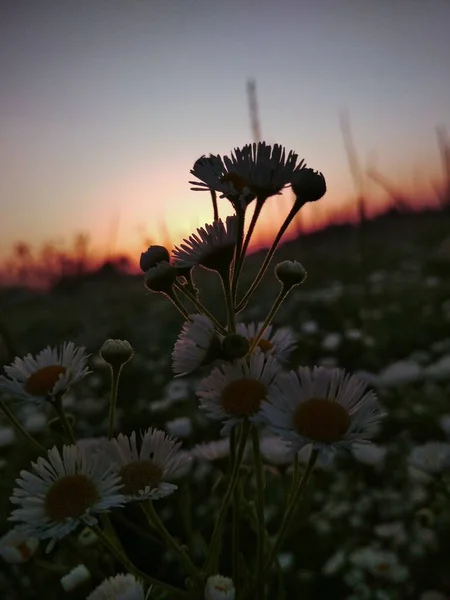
[
  {"x": 138, "y": 530},
  {"x": 154, "y": 520},
  {"x": 126, "y": 562},
  {"x": 210, "y": 565},
  {"x": 201, "y": 308},
  {"x": 178, "y": 304},
  {"x": 67, "y": 427},
  {"x": 251, "y": 229},
  {"x": 259, "y": 475},
  {"x": 268, "y": 320},
  {"x": 226, "y": 285},
  {"x": 115, "y": 376},
  {"x": 18, "y": 425},
  {"x": 294, "y": 210},
  {"x": 214, "y": 203},
  {"x": 238, "y": 253}
]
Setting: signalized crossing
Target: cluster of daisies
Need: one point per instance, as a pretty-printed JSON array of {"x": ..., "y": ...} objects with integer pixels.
[{"x": 247, "y": 383}]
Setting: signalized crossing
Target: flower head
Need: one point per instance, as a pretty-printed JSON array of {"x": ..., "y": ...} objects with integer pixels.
[
  {"x": 212, "y": 247},
  {"x": 279, "y": 343},
  {"x": 116, "y": 352},
  {"x": 234, "y": 391},
  {"x": 120, "y": 587},
  {"x": 16, "y": 547},
  {"x": 152, "y": 256},
  {"x": 308, "y": 185},
  {"x": 431, "y": 458},
  {"x": 78, "y": 576},
  {"x": 219, "y": 587},
  {"x": 325, "y": 407},
  {"x": 144, "y": 473},
  {"x": 198, "y": 344},
  {"x": 66, "y": 489},
  {"x": 53, "y": 372},
  {"x": 161, "y": 277}
]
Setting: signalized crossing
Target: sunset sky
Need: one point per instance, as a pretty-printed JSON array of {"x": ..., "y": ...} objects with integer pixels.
[{"x": 106, "y": 104}]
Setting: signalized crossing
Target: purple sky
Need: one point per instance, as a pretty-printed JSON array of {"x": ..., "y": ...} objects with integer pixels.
[{"x": 105, "y": 104}]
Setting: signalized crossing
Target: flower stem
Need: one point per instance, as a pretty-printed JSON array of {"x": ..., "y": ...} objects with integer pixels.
[
  {"x": 294, "y": 210},
  {"x": 259, "y": 474},
  {"x": 273, "y": 311},
  {"x": 237, "y": 257},
  {"x": 67, "y": 427},
  {"x": 210, "y": 565},
  {"x": 214, "y": 203},
  {"x": 178, "y": 304},
  {"x": 251, "y": 229},
  {"x": 226, "y": 285},
  {"x": 177, "y": 592},
  {"x": 154, "y": 520},
  {"x": 18, "y": 425},
  {"x": 115, "y": 376},
  {"x": 202, "y": 308}
]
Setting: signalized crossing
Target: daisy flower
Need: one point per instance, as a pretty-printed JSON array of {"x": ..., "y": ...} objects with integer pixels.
[
  {"x": 120, "y": 587},
  {"x": 234, "y": 391},
  {"x": 219, "y": 587},
  {"x": 213, "y": 175},
  {"x": 198, "y": 344},
  {"x": 53, "y": 372},
  {"x": 212, "y": 247},
  {"x": 265, "y": 169},
  {"x": 431, "y": 458},
  {"x": 278, "y": 344},
  {"x": 325, "y": 407},
  {"x": 16, "y": 547},
  {"x": 65, "y": 490},
  {"x": 144, "y": 473}
]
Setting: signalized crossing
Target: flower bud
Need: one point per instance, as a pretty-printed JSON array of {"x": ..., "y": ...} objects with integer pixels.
[
  {"x": 76, "y": 577},
  {"x": 152, "y": 256},
  {"x": 234, "y": 346},
  {"x": 161, "y": 278},
  {"x": 116, "y": 352},
  {"x": 290, "y": 273},
  {"x": 308, "y": 185},
  {"x": 87, "y": 538}
]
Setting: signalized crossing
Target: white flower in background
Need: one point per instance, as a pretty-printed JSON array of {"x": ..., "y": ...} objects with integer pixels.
[
  {"x": 309, "y": 327},
  {"x": 285, "y": 559},
  {"x": 353, "y": 334},
  {"x": 76, "y": 577},
  {"x": 439, "y": 370},
  {"x": 53, "y": 372},
  {"x": 265, "y": 169},
  {"x": 324, "y": 461},
  {"x": 198, "y": 344},
  {"x": 383, "y": 564},
  {"x": 66, "y": 489},
  {"x": 16, "y": 547},
  {"x": 275, "y": 450},
  {"x": 369, "y": 454},
  {"x": 279, "y": 343},
  {"x": 400, "y": 373},
  {"x": 395, "y": 531},
  {"x": 144, "y": 473},
  {"x": 432, "y": 595},
  {"x": 120, "y": 587},
  {"x": 87, "y": 537},
  {"x": 332, "y": 342},
  {"x": 431, "y": 458},
  {"x": 180, "y": 427},
  {"x": 33, "y": 417},
  {"x": 335, "y": 563},
  {"x": 444, "y": 423},
  {"x": 325, "y": 407},
  {"x": 212, "y": 247},
  {"x": 93, "y": 444},
  {"x": 177, "y": 390},
  {"x": 210, "y": 451},
  {"x": 236, "y": 390},
  {"x": 219, "y": 587},
  {"x": 7, "y": 436}
]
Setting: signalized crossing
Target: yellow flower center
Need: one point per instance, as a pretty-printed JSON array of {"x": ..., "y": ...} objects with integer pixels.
[
  {"x": 238, "y": 182},
  {"x": 139, "y": 475},
  {"x": 70, "y": 497},
  {"x": 41, "y": 383},
  {"x": 243, "y": 397},
  {"x": 321, "y": 420},
  {"x": 264, "y": 345}
]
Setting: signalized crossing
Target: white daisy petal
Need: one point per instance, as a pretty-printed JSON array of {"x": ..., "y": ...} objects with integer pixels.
[
  {"x": 120, "y": 587},
  {"x": 279, "y": 343},
  {"x": 198, "y": 344}
]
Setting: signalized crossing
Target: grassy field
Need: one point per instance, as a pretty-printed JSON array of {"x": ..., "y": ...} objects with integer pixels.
[{"x": 376, "y": 302}]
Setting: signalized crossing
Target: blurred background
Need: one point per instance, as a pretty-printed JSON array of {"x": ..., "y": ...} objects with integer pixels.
[{"x": 104, "y": 107}]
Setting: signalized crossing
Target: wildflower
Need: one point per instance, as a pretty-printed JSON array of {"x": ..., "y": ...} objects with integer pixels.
[
  {"x": 198, "y": 344},
  {"x": 76, "y": 577},
  {"x": 7, "y": 436},
  {"x": 152, "y": 256},
  {"x": 120, "y": 587},
  {"x": 369, "y": 454},
  {"x": 212, "y": 247},
  {"x": 87, "y": 537},
  {"x": 265, "y": 169},
  {"x": 219, "y": 587},
  {"x": 65, "y": 490},
  {"x": 180, "y": 427},
  {"x": 16, "y": 547},
  {"x": 144, "y": 473},
  {"x": 383, "y": 564},
  {"x": 116, "y": 352},
  {"x": 161, "y": 278},
  {"x": 52, "y": 373},
  {"x": 213, "y": 175},
  {"x": 431, "y": 458},
  {"x": 325, "y": 407},
  {"x": 234, "y": 391},
  {"x": 279, "y": 343},
  {"x": 275, "y": 450},
  {"x": 214, "y": 450}
]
